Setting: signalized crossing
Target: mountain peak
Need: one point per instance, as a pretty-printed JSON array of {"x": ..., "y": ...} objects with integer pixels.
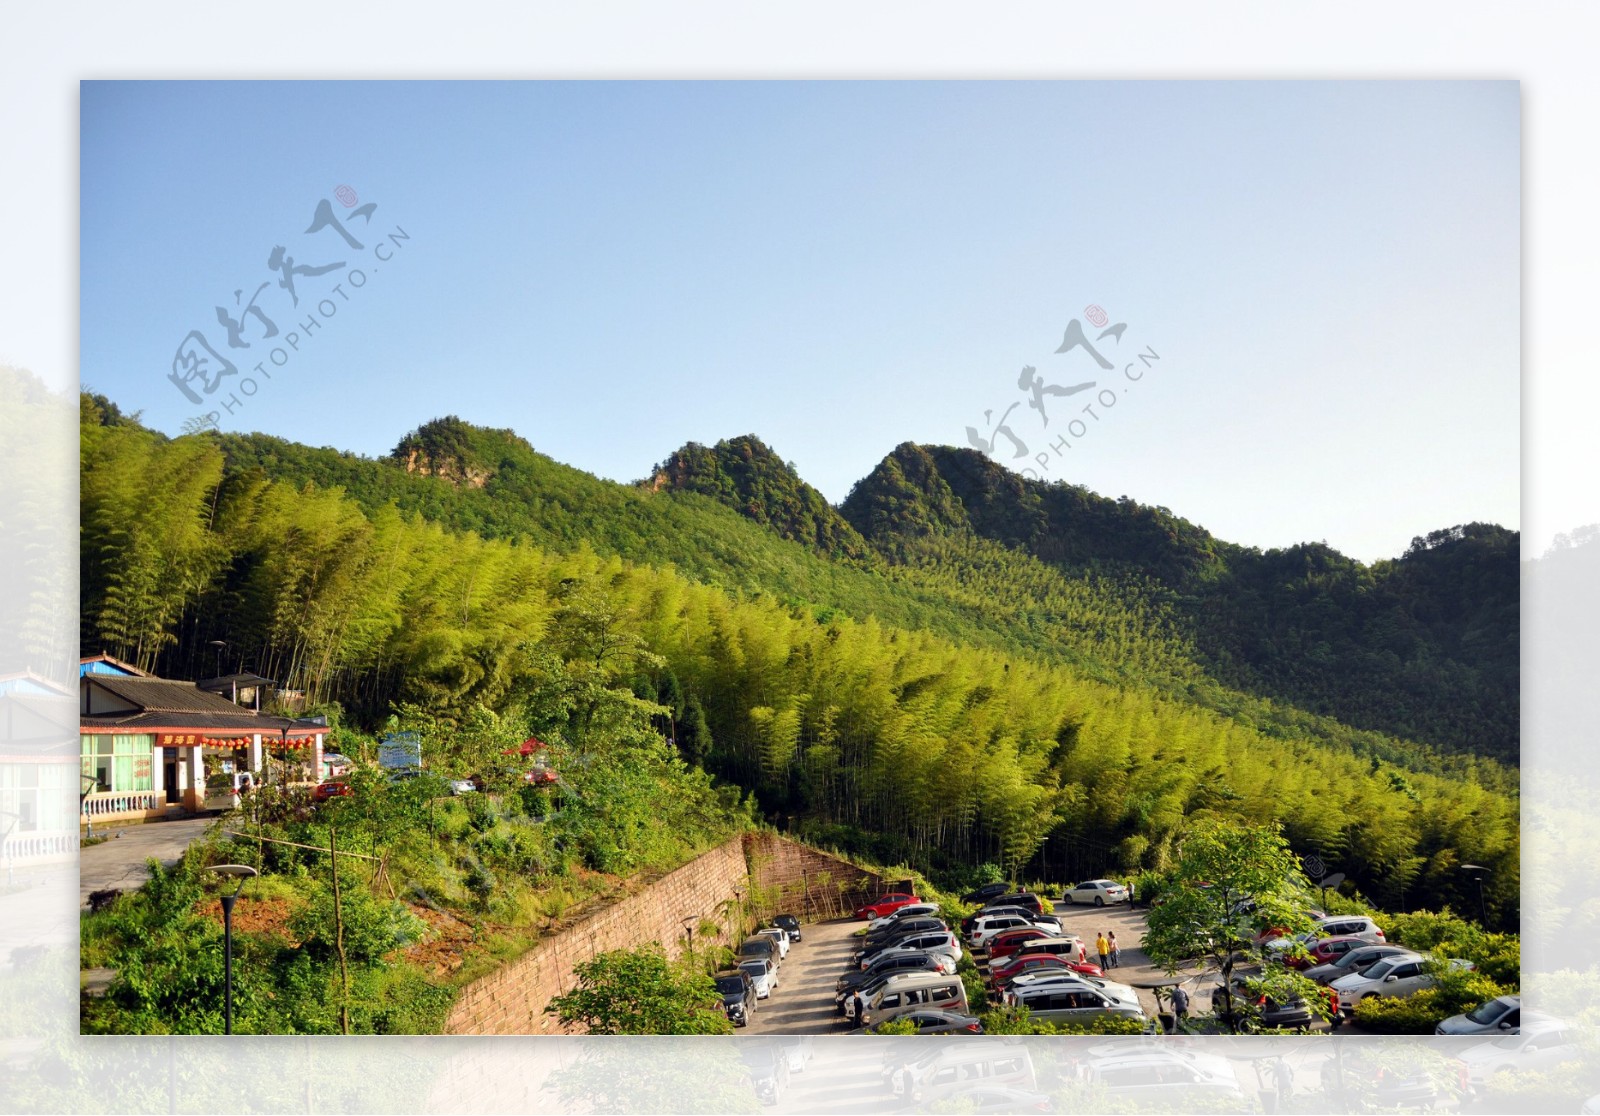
[{"x": 745, "y": 474}]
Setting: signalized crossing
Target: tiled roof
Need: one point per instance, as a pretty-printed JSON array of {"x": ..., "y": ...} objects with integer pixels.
[
  {"x": 161, "y": 695},
  {"x": 242, "y": 720}
]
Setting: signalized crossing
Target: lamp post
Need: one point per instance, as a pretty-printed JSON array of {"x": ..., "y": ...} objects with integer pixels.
[
  {"x": 219, "y": 644},
  {"x": 688, "y": 934},
  {"x": 241, "y": 872},
  {"x": 1478, "y": 872}
]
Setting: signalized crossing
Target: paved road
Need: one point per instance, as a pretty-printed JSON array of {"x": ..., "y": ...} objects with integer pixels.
[
  {"x": 120, "y": 862},
  {"x": 803, "y": 1002}
]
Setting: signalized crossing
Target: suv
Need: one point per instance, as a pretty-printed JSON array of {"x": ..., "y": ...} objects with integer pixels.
[
  {"x": 738, "y": 995},
  {"x": 790, "y": 925},
  {"x": 987, "y": 892}
]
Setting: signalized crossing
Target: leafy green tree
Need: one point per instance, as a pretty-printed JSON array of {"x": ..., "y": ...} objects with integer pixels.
[
  {"x": 640, "y": 992},
  {"x": 1230, "y": 883}
]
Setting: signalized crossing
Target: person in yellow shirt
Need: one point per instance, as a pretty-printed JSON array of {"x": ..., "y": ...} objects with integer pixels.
[{"x": 1103, "y": 948}]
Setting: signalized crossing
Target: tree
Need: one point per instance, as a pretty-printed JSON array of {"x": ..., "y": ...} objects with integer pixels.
[
  {"x": 640, "y": 992},
  {"x": 1232, "y": 882}
]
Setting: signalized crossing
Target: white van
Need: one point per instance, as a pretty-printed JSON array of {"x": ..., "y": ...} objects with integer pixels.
[
  {"x": 1069, "y": 1003},
  {"x": 908, "y": 991},
  {"x": 960, "y": 1067}
]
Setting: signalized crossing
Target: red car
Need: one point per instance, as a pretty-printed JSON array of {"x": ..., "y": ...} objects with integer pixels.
[
  {"x": 1326, "y": 951},
  {"x": 886, "y": 904},
  {"x": 1007, "y": 942},
  {"x": 1002, "y": 975},
  {"x": 331, "y": 788}
]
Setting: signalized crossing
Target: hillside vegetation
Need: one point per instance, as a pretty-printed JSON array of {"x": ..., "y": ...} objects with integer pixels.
[{"x": 946, "y": 696}]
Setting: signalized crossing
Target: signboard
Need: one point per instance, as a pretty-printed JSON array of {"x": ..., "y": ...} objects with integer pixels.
[{"x": 400, "y": 749}]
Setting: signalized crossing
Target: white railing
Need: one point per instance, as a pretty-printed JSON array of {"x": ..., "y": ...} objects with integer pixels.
[
  {"x": 37, "y": 846},
  {"x": 102, "y": 803}
]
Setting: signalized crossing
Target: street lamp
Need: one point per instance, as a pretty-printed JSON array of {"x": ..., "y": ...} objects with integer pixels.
[
  {"x": 1478, "y": 872},
  {"x": 219, "y": 644},
  {"x": 688, "y": 933},
  {"x": 241, "y": 872}
]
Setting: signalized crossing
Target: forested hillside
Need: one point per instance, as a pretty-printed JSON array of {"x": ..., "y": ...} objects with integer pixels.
[
  {"x": 961, "y": 705},
  {"x": 1423, "y": 647}
]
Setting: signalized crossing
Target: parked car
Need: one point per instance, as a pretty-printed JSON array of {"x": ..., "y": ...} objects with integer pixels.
[
  {"x": 790, "y": 923},
  {"x": 463, "y": 786},
  {"x": 990, "y": 912},
  {"x": 1400, "y": 975},
  {"x": 899, "y": 930},
  {"x": 759, "y": 947},
  {"x": 796, "y": 1051},
  {"x": 987, "y": 892},
  {"x": 1027, "y": 900},
  {"x": 986, "y": 928},
  {"x": 1501, "y": 1015},
  {"x": 939, "y": 941},
  {"x": 738, "y": 995},
  {"x": 1541, "y": 1045},
  {"x": 894, "y": 963},
  {"x": 1098, "y": 892},
  {"x": 929, "y": 1021},
  {"x": 906, "y": 991},
  {"x": 1065, "y": 1002},
  {"x": 1349, "y": 926},
  {"x": 1066, "y": 947},
  {"x": 959, "y": 1067},
  {"x": 1252, "y": 1011},
  {"x": 1019, "y": 963},
  {"x": 886, "y": 903},
  {"x": 780, "y": 938},
  {"x": 763, "y": 974},
  {"x": 1353, "y": 962},
  {"x": 1158, "y": 1075},
  {"x": 874, "y": 942},
  {"x": 910, "y": 910},
  {"x": 768, "y": 1067},
  {"x": 1324, "y": 951},
  {"x": 330, "y": 789},
  {"x": 1041, "y": 977},
  {"x": 1008, "y": 942}
]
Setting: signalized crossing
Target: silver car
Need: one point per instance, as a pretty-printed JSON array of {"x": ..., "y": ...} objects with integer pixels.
[
  {"x": 1499, "y": 1016},
  {"x": 763, "y": 974}
]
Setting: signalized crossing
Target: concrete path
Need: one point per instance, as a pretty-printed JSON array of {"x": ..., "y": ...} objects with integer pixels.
[
  {"x": 120, "y": 862},
  {"x": 803, "y": 1002}
]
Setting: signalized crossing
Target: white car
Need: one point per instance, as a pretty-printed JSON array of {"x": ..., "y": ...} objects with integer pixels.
[
  {"x": 1158, "y": 1073},
  {"x": 985, "y": 928},
  {"x": 1051, "y": 979},
  {"x": 1098, "y": 892},
  {"x": 1400, "y": 975},
  {"x": 912, "y": 910},
  {"x": 763, "y": 974},
  {"x": 778, "y": 935},
  {"x": 1543, "y": 1044},
  {"x": 1499, "y": 1016}
]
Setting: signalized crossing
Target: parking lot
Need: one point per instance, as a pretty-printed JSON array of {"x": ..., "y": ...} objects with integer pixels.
[{"x": 803, "y": 1001}]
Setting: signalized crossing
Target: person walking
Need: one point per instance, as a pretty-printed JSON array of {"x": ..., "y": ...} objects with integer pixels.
[
  {"x": 1103, "y": 948},
  {"x": 1180, "y": 1007},
  {"x": 858, "y": 1006},
  {"x": 1116, "y": 954}
]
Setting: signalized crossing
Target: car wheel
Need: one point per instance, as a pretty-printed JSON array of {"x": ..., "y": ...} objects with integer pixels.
[{"x": 1099, "y": 900}]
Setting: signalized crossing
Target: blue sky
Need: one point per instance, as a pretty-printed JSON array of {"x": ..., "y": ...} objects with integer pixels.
[{"x": 1329, "y": 273}]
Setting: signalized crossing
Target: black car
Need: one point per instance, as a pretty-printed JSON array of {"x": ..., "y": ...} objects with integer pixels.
[
  {"x": 987, "y": 892},
  {"x": 760, "y": 947},
  {"x": 738, "y": 996},
  {"x": 1254, "y": 1011},
  {"x": 897, "y": 963},
  {"x": 1024, "y": 899},
  {"x": 902, "y": 927},
  {"x": 788, "y": 923}
]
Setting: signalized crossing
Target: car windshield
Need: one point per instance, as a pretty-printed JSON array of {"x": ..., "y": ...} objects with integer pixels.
[
  {"x": 730, "y": 985},
  {"x": 1487, "y": 1013},
  {"x": 1509, "y": 1042},
  {"x": 754, "y": 968},
  {"x": 1381, "y": 969}
]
